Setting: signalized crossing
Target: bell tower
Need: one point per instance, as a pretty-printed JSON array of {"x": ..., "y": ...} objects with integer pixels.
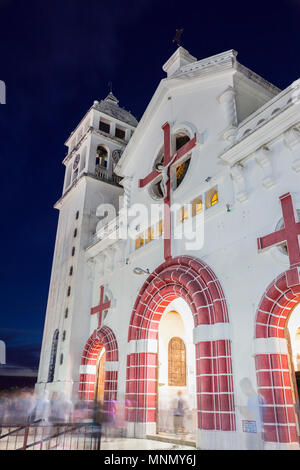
[
  {"x": 97, "y": 143},
  {"x": 94, "y": 149}
]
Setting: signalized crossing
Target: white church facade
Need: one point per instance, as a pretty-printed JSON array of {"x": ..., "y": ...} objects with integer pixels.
[{"x": 201, "y": 296}]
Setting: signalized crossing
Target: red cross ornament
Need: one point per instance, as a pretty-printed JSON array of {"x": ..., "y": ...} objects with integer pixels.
[
  {"x": 289, "y": 234},
  {"x": 167, "y": 162},
  {"x": 101, "y": 307}
]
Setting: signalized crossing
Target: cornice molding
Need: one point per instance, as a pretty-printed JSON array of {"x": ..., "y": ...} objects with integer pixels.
[
  {"x": 180, "y": 58},
  {"x": 216, "y": 63},
  {"x": 77, "y": 146},
  {"x": 265, "y": 125},
  {"x": 82, "y": 177}
]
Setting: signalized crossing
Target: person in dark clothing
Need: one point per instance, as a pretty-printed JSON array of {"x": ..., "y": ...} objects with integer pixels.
[{"x": 97, "y": 425}]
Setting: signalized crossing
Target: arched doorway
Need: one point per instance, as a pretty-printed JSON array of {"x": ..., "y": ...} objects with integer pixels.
[
  {"x": 274, "y": 361},
  {"x": 193, "y": 281},
  {"x": 176, "y": 373},
  {"x": 100, "y": 350}
]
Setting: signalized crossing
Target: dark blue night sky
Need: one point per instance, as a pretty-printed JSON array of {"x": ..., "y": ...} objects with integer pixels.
[{"x": 56, "y": 58}]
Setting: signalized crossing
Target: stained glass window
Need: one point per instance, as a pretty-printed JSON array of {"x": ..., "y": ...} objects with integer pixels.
[{"x": 176, "y": 362}]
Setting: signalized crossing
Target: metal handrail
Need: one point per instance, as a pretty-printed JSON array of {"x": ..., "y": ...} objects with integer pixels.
[
  {"x": 48, "y": 438},
  {"x": 19, "y": 428},
  {"x": 41, "y": 432}
]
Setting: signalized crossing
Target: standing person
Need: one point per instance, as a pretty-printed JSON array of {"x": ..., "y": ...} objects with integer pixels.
[{"x": 178, "y": 414}]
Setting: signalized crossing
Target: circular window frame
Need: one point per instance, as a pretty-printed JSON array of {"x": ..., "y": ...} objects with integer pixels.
[{"x": 153, "y": 188}]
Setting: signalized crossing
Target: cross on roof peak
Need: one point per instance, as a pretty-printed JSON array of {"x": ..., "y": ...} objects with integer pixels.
[
  {"x": 177, "y": 37},
  {"x": 111, "y": 97}
]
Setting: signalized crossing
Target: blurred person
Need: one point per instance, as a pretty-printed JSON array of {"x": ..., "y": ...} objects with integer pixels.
[
  {"x": 22, "y": 406},
  {"x": 40, "y": 409},
  {"x": 60, "y": 413},
  {"x": 254, "y": 414},
  {"x": 97, "y": 420},
  {"x": 80, "y": 412},
  {"x": 163, "y": 414},
  {"x": 11, "y": 407},
  {"x": 4, "y": 401},
  {"x": 60, "y": 408},
  {"x": 121, "y": 422},
  {"x": 120, "y": 427},
  {"x": 178, "y": 414},
  {"x": 110, "y": 413}
]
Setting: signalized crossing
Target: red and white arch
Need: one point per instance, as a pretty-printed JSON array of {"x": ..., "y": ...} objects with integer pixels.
[
  {"x": 272, "y": 361},
  {"x": 195, "y": 282},
  {"x": 101, "y": 338}
]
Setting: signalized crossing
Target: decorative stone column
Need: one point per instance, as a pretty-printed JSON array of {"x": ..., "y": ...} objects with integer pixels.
[
  {"x": 238, "y": 176},
  {"x": 228, "y": 104}
]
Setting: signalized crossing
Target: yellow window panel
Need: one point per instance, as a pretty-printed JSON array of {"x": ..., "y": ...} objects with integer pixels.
[
  {"x": 211, "y": 198},
  {"x": 182, "y": 214},
  {"x": 215, "y": 199},
  {"x": 196, "y": 206},
  {"x": 139, "y": 242},
  {"x": 149, "y": 235},
  {"x": 160, "y": 228}
]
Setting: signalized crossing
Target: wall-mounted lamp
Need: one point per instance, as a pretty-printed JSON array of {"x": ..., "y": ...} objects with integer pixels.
[{"x": 138, "y": 270}]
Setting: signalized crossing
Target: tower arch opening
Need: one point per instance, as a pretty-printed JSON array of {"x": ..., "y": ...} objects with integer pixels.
[{"x": 101, "y": 157}]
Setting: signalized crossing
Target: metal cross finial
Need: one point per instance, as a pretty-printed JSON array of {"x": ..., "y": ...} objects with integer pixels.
[{"x": 177, "y": 38}]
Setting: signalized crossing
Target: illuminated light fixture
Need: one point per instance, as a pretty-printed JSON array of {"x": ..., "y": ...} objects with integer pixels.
[{"x": 138, "y": 270}]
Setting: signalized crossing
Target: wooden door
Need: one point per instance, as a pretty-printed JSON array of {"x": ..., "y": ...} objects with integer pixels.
[{"x": 100, "y": 378}]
